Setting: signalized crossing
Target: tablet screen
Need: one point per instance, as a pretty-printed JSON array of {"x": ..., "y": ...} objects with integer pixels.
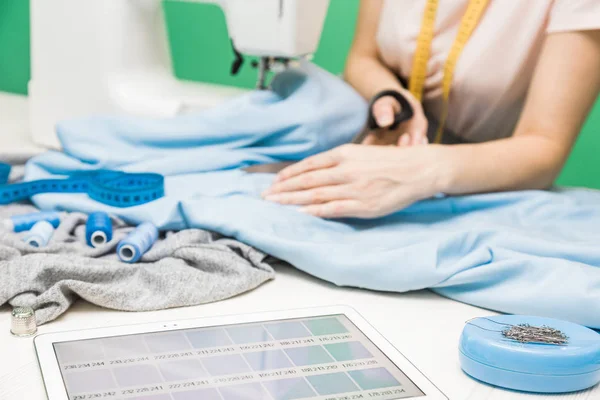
[{"x": 307, "y": 358}]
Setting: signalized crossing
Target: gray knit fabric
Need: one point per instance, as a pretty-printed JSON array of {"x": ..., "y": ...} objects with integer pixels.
[{"x": 185, "y": 268}]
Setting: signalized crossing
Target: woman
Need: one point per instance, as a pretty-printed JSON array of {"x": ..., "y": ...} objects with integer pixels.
[{"x": 526, "y": 78}]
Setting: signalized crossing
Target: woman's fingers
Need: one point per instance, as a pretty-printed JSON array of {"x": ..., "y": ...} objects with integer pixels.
[
  {"x": 308, "y": 180},
  {"x": 320, "y": 161},
  {"x": 313, "y": 196},
  {"x": 384, "y": 111},
  {"x": 416, "y": 134},
  {"x": 412, "y": 139},
  {"x": 404, "y": 140},
  {"x": 384, "y": 116},
  {"x": 417, "y": 139},
  {"x": 419, "y": 125},
  {"x": 416, "y": 129},
  {"x": 337, "y": 209}
]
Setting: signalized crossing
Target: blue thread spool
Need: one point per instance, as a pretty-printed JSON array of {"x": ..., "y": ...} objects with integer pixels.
[
  {"x": 487, "y": 355},
  {"x": 21, "y": 223},
  {"x": 137, "y": 243},
  {"x": 4, "y": 173},
  {"x": 98, "y": 229},
  {"x": 40, "y": 234}
]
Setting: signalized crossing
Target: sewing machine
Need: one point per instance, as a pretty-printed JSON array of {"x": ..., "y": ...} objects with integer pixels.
[{"x": 112, "y": 57}]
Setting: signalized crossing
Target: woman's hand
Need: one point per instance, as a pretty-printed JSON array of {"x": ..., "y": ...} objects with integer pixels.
[
  {"x": 410, "y": 133},
  {"x": 360, "y": 181}
]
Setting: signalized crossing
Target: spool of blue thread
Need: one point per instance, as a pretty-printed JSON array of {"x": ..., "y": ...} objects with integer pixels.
[
  {"x": 98, "y": 229},
  {"x": 137, "y": 243},
  {"x": 39, "y": 235},
  {"x": 487, "y": 355},
  {"x": 4, "y": 173},
  {"x": 24, "y": 222}
]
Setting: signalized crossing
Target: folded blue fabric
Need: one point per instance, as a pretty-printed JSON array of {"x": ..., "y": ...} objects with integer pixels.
[{"x": 526, "y": 252}]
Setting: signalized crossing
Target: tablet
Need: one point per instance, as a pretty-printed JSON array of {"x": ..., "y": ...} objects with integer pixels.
[{"x": 328, "y": 353}]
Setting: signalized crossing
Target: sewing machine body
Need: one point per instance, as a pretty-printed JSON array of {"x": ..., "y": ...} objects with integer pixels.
[{"x": 112, "y": 56}]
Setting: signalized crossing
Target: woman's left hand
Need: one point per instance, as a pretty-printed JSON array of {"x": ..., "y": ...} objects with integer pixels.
[{"x": 360, "y": 181}]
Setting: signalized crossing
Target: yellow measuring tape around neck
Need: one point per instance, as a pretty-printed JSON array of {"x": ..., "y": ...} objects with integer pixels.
[{"x": 419, "y": 68}]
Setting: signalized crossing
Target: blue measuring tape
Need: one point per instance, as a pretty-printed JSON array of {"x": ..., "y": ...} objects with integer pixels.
[{"x": 113, "y": 188}]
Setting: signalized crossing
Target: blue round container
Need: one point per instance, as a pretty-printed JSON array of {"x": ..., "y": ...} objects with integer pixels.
[{"x": 486, "y": 355}]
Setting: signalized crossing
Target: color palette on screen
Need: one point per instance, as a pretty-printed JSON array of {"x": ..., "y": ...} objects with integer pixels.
[{"x": 324, "y": 357}]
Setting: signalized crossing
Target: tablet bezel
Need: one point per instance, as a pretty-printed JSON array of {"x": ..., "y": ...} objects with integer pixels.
[{"x": 54, "y": 384}]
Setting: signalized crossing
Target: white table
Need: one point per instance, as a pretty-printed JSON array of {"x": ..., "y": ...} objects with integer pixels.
[{"x": 423, "y": 326}]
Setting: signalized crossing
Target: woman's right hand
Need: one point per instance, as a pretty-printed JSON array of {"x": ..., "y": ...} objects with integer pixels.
[{"x": 409, "y": 133}]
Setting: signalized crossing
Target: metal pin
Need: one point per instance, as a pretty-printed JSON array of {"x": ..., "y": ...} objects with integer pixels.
[{"x": 526, "y": 333}]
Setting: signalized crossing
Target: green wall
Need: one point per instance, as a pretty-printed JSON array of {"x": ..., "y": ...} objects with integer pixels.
[
  {"x": 201, "y": 51},
  {"x": 14, "y": 45},
  {"x": 583, "y": 167}
]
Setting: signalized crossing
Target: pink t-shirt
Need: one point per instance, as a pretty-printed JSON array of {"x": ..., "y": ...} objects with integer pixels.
[{"x": 494, "y": 71}]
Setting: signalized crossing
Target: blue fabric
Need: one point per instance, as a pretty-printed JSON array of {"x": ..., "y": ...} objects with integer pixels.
[{"x": 526, "y": 252}]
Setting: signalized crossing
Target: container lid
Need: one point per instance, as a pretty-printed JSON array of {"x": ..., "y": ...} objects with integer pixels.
[{"x": 482, "y": 341}]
